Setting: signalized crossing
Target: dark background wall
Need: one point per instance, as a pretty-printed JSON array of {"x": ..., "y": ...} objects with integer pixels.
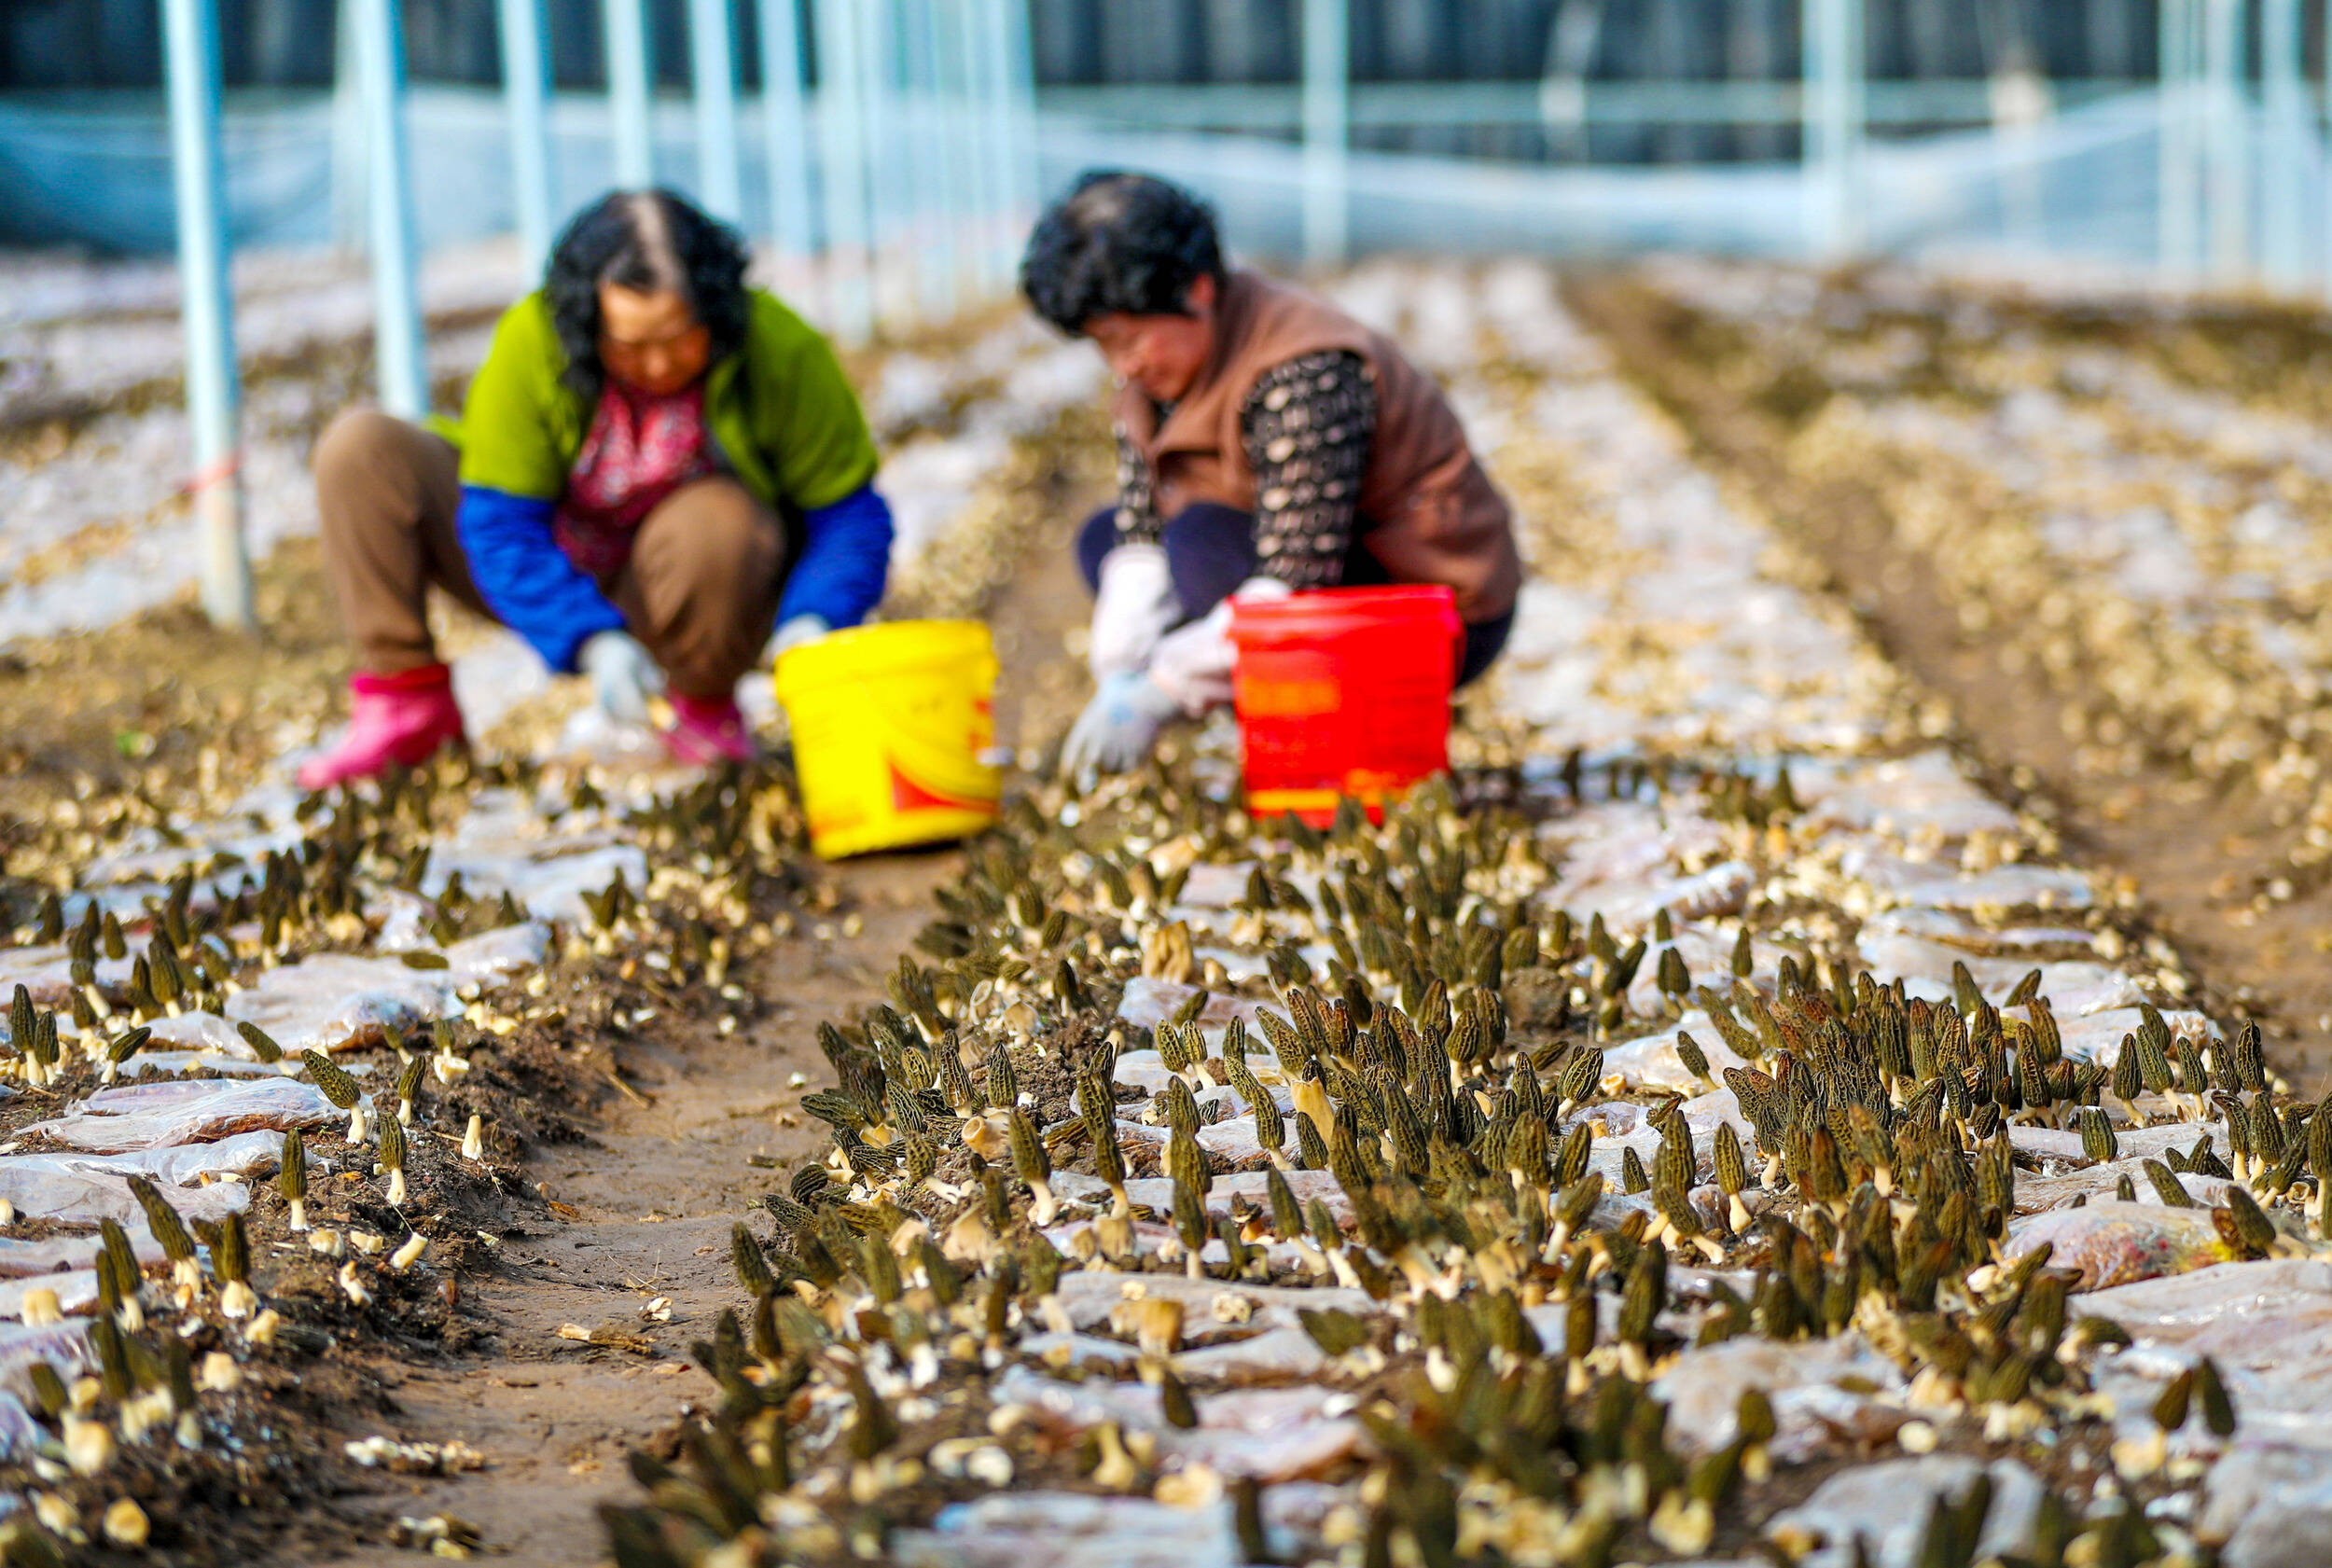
[
  {"x": 100, "y": 44},
  {"x": 288, "y": 43}
]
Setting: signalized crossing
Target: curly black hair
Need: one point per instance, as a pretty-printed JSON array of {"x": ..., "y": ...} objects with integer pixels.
[
  {"x": 647, "y": 239},
  {"x": 1118, "y": 241}
]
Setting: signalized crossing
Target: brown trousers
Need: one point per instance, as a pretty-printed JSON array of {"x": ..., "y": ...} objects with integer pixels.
[{"x": 700, "y": 590}]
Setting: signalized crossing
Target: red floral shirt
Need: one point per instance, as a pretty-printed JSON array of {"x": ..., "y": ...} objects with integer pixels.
[{"x": 639, "y": 449}]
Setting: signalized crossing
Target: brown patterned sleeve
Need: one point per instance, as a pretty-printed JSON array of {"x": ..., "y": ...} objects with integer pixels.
[
  {"x": 1137, "y": 506},
  {"x": 1308, "y": 424}
]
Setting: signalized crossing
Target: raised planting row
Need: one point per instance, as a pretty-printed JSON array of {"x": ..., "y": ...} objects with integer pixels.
[
  {"x": 1708, "y": 1129},
  {"x": 2108, "y": 506},
  {"x": 276, "y": 1065},
  {"x": 262, "y": 1118}
]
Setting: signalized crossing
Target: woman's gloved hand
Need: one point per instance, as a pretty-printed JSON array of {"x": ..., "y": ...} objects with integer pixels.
[
  {"x": 1194, "y": 663},
  {"x": 800, "y": 630},
  {"x": 624, "y": 675},
  {"x": 1117, "y": 727},
  {"x": 1133, "y": 606}
]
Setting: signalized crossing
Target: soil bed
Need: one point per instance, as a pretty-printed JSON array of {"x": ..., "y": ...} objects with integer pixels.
[{"x": 2197, "y": 852}]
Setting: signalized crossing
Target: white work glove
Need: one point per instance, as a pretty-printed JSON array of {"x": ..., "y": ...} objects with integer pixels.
[
  {"x": 624, "y": 675},
  {"x": 1134, "y": 605},
  {"x": 1117, "y": 728},
  {"x": 800, "y": 630},
  {"x": 1193, "y": 664}
]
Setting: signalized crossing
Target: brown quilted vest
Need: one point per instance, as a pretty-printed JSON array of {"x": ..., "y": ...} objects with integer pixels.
[{"x": 1427, "y": 511}]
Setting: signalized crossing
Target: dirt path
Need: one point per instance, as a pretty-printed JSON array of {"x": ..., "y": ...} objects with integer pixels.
[
  {"x": 699, "y": 1135},
  {"x": 2182, "y": 845}
]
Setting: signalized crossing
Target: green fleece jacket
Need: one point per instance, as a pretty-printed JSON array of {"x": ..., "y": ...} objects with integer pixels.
[{"x": 782, "y": 416}]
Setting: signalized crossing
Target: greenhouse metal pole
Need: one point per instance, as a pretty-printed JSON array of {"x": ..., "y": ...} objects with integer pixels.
[
  {"x": 1834, "y": 105},
  {"x": 348, "y": 135},
  {"x": 712, "y": 63},
  {"x": 207, "y": 302},
  {"x": 1020, "y": 85},
  {"x": 842, "y": 170},
  {"x": 2181, "y": 174},
  {"x": 888, "y": 196},
  {"x": 628, "y": 101},
  {"x": 786, "y": 128},
  {"x": 2282, "y": 49},
  {"x": 526, "y": 92},
  {"x": 933, "y": 233},
  {"x": 985, "y": 142},
  {"x": 999, "y": 137},
  {"x": 968, "y": 186},
  {"x": 2227, "y": 143},
  {"x": 401, "y": 372},
  {"x": 1327, "y": 128}
]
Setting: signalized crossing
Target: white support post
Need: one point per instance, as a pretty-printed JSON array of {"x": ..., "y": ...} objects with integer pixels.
[
  {"x": 629, "y": 96},
  {"x": 2289, "y": 131},
  {"x": 2228, "y": 140},
  {"x": 786, "y": 128},
  {"x": 1833, "y": 117},
  {"x": 1019, "y": 84},
  {"x": 398, "y": 365},
  {"x": 348, "y": 135},
  {"x": 968, "y": 182},
  {"x": 999, "y": 141},
  {"x": 207, "y": 304},
  {"x": 2324, "y": 147},
  {"x": 931, "y": 229},
  {"x": 526, "y": 94},
  {"x": 712, "y": 63},
  {"x": 887, "y": 193},
  {"x": 842, "y": 165},
  {"x": 1327, "y": 128},
  {"x": 2180, "y": 51}
]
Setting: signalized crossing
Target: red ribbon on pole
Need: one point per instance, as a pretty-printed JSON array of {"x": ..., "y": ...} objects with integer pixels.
[{"x": 218, "y": 473}]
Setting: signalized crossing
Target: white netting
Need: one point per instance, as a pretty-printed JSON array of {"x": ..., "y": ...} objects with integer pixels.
[{"x": 2084, "y": 184}]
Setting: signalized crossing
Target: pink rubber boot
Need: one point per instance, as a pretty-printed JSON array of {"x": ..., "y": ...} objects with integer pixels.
[
  {"x": 394, "y": 721},
  {"x": 708, "y": 729}
]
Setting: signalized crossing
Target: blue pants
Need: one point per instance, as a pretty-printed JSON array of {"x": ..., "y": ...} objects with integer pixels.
[{"x": 1210, "y": 550}]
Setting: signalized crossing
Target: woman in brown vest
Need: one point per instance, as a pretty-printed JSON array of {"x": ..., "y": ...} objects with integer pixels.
[{"x": 1266, "y": 444}]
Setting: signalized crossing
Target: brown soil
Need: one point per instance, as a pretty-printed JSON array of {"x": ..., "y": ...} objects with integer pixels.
[
  {"x": 695, "y": 1129},
  {"x": 622, "y": 1157},
  {"x": 151, "y": 697},
  {"x": 2182, "y": 845}
]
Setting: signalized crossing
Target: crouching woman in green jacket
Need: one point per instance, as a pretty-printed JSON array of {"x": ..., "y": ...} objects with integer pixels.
[{"x": 656, "y": 466}]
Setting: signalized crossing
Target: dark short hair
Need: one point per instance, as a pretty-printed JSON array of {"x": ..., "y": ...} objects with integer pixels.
[
  {"x": 1118, "y": 241},
  {"x": 646, "y": 239}
]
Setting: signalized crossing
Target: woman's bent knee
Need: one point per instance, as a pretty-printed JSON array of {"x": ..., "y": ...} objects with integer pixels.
[
  {"x": 709, "y": 536},
  {"x": 356, "y": 441}
]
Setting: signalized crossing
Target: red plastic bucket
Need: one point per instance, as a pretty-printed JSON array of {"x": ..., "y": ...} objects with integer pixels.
[{"x": 1343, "y": 692}]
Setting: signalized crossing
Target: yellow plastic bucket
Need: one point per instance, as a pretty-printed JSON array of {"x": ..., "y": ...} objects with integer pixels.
[{"x": 889, "y": 724}]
